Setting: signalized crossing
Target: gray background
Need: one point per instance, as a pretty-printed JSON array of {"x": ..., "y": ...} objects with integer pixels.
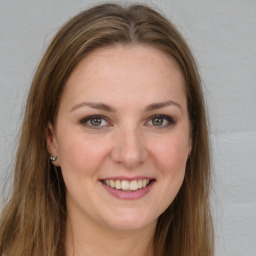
[{"x": 222, "y": 35}]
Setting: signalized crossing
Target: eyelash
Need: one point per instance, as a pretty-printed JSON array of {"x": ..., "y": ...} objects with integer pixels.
[
  {"x": 85, "y": 121},
  {"x": 170, "y": 121}
]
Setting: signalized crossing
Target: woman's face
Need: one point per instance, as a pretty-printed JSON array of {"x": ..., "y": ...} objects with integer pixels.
[{"x": 122, "y": 136}]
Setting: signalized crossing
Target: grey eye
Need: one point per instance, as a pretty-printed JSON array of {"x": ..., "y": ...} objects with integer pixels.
[
  {"x": 95, "y": 121},
  {"x": 161, "y": 121},
  {"x": 157, "y": 121}
]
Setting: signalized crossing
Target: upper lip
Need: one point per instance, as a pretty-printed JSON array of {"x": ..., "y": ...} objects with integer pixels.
[{"x": 129, "y": 178}]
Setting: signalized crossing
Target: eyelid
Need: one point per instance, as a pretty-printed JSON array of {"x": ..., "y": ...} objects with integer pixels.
[
  {"x": 171, "y": 121},
  {"x": 84, "y": 120}
]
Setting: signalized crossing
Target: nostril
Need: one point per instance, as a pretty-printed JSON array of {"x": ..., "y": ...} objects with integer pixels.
[{"x": 128, "y": 149}]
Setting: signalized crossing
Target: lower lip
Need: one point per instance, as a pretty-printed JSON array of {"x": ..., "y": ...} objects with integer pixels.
[{"x": 129, "y": 195}]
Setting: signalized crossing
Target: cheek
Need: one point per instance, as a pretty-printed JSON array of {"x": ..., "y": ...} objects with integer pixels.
[
  {"x": 171, "y": 157},
  {"x": 80, "y": 155},
  {"x": 171, "y": 153}
]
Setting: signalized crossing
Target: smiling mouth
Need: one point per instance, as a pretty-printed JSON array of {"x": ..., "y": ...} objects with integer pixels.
[{"x": 127, "y": 185}]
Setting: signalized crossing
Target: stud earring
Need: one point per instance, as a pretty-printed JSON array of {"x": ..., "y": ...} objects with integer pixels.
[{"x": 53, "y": 158}]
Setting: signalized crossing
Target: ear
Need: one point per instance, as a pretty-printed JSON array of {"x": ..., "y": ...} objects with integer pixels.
[{"x": 52, "y": 145}]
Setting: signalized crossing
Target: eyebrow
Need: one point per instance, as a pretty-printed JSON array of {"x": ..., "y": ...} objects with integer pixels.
[
  {"x": 155, "y": 106},
  {"x": 102, "y": 106}
]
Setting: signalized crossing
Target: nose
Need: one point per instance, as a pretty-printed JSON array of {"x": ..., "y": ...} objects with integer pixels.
[{"x": 128, "y": 148}]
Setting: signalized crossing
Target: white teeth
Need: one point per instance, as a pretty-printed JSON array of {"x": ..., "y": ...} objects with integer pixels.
[
  {"x": 133, "y": 185},
  {"x": 139, "y": 183},
  {"x": 112, "y": 184},
  {"x": 118, "y": 184},
  {"x": 127, "y": 185}
]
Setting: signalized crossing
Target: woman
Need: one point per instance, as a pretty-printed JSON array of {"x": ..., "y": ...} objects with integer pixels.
[{"x": 113, "y": 156}]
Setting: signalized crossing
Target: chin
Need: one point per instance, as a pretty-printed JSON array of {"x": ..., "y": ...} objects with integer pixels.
[{"x": 130, "y": 222}]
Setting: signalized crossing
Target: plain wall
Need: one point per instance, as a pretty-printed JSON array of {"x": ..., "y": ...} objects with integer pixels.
[{"x": 222, "y": 35}]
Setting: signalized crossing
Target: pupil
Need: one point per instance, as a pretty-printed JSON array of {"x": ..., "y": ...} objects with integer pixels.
[
  {"x": 157, "y": 121},
  {"x": 96, "y": 121}
]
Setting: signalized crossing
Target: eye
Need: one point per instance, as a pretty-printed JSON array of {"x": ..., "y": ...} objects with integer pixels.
[
  {"x": 95, "y": 122},
  {"x": 161, "y": 121}
]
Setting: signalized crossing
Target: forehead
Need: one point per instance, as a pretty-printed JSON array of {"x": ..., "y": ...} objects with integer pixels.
[
  {"x": 128, "y": 71},
  {"x": 127, "y": 55}
]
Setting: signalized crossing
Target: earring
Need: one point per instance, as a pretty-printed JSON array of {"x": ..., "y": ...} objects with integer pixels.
[{"x": 53, "y": 158}]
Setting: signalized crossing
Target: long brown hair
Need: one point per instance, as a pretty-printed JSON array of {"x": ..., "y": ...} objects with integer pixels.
[{"x": 33, "y": 221}]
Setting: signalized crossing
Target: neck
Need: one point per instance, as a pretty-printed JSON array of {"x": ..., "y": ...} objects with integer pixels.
[{"x": 93, "y": 239}]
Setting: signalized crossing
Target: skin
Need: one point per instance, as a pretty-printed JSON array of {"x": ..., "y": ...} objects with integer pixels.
[{"x": 127, "y": 143}]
